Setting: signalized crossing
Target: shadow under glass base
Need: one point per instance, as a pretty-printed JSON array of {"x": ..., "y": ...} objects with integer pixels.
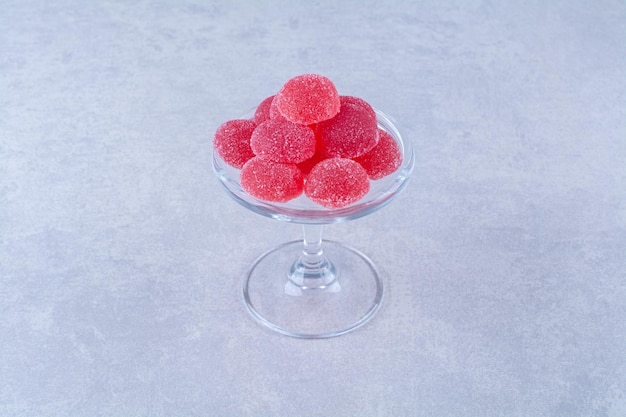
[{"x": 338, "y": 294}]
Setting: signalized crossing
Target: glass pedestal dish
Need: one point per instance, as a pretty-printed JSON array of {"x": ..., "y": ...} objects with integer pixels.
[{"x": 314, "y": 288}]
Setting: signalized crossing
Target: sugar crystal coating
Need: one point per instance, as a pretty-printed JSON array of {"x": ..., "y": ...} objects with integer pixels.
[
  {"x": 232, "y": 141},
  {"x": 262, "y": 112},
  {"x": 358, "y": 102},
  {"x": 280, "y": 140},
  {"x": 308, "y": 99},
  {"x": 271, "y": 181},
  {"x": 274, "y": 112},
  {"x": 336, "y": 183},
  {"x": 349, "y": 134},
  {"x": 383, "y": 159}
]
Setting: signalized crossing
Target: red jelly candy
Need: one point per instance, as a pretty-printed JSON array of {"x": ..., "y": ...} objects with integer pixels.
[
  {"x": 308, "y": 99},
  {"x": 232, "y": 141},
  {"x": 271, "y": 181},
  {"x": 262, "y": 112},
  {"x": 351, "y": 133},
  {"x": 280, "y": 140},
  {"x": 274, "y": 112},
  {"x": 336, "y": 183},
  {"x": 358, "y": 102},
  {"x": 383, "y": 159}
]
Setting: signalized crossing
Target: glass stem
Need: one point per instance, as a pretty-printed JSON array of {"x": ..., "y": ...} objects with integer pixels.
[
  {"x": 312, "y": 270},
  {"x": 312, "y": 253}
]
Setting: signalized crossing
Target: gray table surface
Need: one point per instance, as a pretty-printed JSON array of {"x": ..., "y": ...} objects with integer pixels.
[{"x": 121, "y": 258}]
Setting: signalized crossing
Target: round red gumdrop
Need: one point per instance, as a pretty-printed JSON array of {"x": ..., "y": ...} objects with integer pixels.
[
  {"x": 262, "y": 112},
  {"x": 271, "y": 181},
  {"x": 280, "y": 140},
  {"x": 383, "y": 159},
  {"x": 358, "y": 102},
  {"x": 232, "y": 141},
  {"x": 349, "y": 134},
  {"x": 274, "y": 112},
  {"x": 336, "y": 183},
  {"x": 307, "y": 99}
]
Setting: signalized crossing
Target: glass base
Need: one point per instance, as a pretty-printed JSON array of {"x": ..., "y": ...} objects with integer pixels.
[{"x": 338, "y": 294}]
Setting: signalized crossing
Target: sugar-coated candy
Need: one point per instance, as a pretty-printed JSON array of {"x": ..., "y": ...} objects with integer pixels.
[
  {"x": 308, "y": 139},
  {"x": 280, "y": 140},
  {"x": 336, "y": 183},
  {"x": 274, "y": 112},
  {"x": 262, "y": 112},
  {"x": 232, "y": 141},
  {"x": 358, "y": 102},
  {"x": 383, "y": 159},
  {"x": 308, "y": 99},
  {"x": 271, "y": 181},
  {"x": 349, "y": 134}
]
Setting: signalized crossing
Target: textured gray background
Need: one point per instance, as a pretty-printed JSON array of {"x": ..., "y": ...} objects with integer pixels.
[{"x": 121, "y": 258}]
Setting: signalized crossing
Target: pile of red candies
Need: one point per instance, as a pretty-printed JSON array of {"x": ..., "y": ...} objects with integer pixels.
[{"x": 309, "y": 139}]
